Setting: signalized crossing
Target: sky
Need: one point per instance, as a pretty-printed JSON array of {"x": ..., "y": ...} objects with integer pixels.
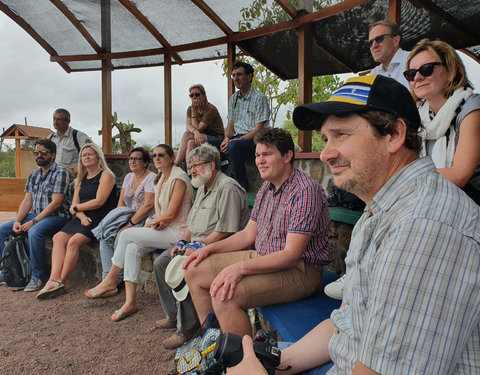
[{"x": 32, "y": 87}]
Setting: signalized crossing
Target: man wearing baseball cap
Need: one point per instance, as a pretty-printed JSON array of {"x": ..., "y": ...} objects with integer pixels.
[{"x": 412, "y": 289}]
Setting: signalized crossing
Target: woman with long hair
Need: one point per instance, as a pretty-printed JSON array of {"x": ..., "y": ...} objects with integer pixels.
[
  {"x": 203, "y": 123},
  {"x": 94, "y": 196},
  {"x": 173, "y": 200},
  {"x": 449, "y": 111}
]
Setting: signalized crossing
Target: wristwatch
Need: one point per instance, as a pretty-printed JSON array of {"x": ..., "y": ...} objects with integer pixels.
[
  {"x": 34, "y": 221},
  {"x": 75, "y": 208}
]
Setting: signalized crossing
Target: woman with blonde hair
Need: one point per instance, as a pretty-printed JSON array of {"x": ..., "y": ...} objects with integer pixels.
[
  {"x": 203, "y": 123},
  {"x": 94, "y": 196},
  {"x": 449, "y": 111}
]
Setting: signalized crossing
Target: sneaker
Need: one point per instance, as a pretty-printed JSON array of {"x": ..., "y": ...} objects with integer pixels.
[
  {"x": 165, "y": 324},
  {"x": 2, "y": 278},
  {"x": 178, "y": 339},
  {"x": 34, "y": 285},
  {"x": 335, "y": 289}
]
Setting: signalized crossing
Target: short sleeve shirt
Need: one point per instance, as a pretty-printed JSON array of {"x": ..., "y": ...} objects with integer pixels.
[
  {"x": 298, "y": 206},
  {"x": 211, "y": 117},
  {"x": 247, "y": 111},
  {"x": 135, "y": 198},
  {"x": 55, "y": 181},
  {"x": 67, "y": 153}
]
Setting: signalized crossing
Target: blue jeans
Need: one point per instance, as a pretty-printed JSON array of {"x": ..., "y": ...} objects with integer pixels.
[
  {"x": 238, "y": 151},
  {"x": 36, "y": 238}
]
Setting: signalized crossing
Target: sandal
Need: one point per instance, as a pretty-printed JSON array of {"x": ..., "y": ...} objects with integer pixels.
[
  {"x": 93, "y": 294},
  {"x": 121, "y": 315},
  {"x": 58, "y": 289}
]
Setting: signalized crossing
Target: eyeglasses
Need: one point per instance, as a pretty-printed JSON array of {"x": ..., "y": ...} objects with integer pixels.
[
  {"x": 160, "y": 155},
  {"x": 379, "y": 39},
  {"x": 426, "y": 70},
  {"x": 132, "y": 159},
  {"x": 233, "y": 76},
  {"x": 197, "y": 165},
  {"x": 43, "y": 153},
  {"x": 195, "y": 94}
]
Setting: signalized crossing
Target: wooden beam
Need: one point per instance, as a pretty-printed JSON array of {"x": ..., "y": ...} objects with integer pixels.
[
  {"x": 151, "y": 29},
  {"x": 81, "y": 29},
  {"x": 167, "y": 78},
  {"x": 305, "y": 54},
  {"x": 18, "y": 169},
  {"x": 287, "y": 7},
  {"x": 213, "y": 16},
  {"x": 394, "y": 11},
  {"x": 230, "y": 62},
  {"x": 106, "y": 33},
  {"x": 30, "y": 31}
]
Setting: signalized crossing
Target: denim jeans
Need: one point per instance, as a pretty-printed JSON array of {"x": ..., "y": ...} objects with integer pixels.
[
  {"x": 36, "y": 239},
  {"x": 238, "y": 152}
]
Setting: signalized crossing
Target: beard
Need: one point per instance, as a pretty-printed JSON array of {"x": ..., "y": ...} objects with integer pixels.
[
  {"x": 201, "y": 179},
  {"x": 43, "y": 162}
]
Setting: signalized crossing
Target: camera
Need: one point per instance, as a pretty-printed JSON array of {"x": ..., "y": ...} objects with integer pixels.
[{"x": 229, "y": 351}]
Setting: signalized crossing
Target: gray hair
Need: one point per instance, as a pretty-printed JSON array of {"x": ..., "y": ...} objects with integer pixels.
[
  {"x": 64, "y": 112},
  {"x": 207, "y": 153}
]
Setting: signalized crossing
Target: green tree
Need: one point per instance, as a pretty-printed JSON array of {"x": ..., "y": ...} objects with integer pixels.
[
  {"x": 7, "y": 161},
  {"x": 317, "y": 142}
]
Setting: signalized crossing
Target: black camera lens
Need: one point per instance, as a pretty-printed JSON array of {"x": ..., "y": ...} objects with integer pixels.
[{"x": 228, "y": 350}]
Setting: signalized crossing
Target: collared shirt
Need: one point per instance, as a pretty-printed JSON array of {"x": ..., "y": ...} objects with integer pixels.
[
  {"x": 412, "y": 288},
  {"x": 298, "y": 206},
  {"x": 247, "y": 111},
  {"x": 67, "y": 153},
  {"x": 223, "y": 208},
  {"x": 55, "y": 181},
  {"x": 396, "y": 68}
]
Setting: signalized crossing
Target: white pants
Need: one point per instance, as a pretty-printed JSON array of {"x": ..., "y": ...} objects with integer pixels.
[{"x": 133, "y": 243}]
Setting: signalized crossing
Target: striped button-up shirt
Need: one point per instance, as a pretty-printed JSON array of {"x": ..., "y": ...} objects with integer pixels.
[
  {"x": 247, "y": 111},
  {"x": 412, "y": 288},
  {"x": 298, "y": 206},
  {"x": 55, "y": 181}
]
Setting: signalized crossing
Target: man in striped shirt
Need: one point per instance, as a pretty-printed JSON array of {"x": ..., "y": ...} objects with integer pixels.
[
  {"x": 412, "y": 288},
  {"x": 288, "y": 227}
]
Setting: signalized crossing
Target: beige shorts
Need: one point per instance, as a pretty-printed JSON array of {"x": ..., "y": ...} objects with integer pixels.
[{"x": 276, "y": 287}]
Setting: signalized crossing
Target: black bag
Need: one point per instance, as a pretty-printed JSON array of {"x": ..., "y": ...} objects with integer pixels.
[
  {"x": 339, "y": 197},
  {"x": 15, "y": 261}
]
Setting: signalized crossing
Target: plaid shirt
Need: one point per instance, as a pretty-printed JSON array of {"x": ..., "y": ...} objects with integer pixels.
[
  {"x": 247, "y": 111},
  {"x": 298, "y": 206},
  {"x": 55, "y": 181}
]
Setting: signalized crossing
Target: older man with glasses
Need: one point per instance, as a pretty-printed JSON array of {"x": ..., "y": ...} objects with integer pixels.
[
  {"x": 43, "y": 211},
  {"x": 384, "y": 41}
]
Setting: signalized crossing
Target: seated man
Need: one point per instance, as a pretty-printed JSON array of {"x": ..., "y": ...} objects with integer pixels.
[
  {"x": 412, "y": 289},
  {"x": 47, "y": 195},
  {"x": 220, "y": 209},
  {"x": 289, "y": 227}
]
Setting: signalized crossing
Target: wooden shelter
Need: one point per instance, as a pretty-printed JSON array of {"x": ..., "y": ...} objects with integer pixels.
[
  {"x": 24, "y": 163},
  {"x": 292, "y": 41}
]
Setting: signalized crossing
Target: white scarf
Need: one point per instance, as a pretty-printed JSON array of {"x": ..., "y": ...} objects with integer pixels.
[{"x": 442, "y": 153}]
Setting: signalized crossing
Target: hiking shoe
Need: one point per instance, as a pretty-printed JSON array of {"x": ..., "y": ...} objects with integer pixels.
[
  {"x": 335, "y": 289},
  {"x": 165, "y": 324},
  {"x": 34, "y": 285},
  {"x": 178, "y": 339}
]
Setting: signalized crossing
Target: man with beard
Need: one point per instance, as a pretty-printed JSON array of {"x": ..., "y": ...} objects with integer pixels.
[
  {"x": 44, "y": 209},
  {"x": 412, "y": 287},
  {"x": 220, "y": 209}
]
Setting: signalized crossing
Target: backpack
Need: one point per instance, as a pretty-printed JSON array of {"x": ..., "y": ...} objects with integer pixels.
[{"x": 15, "y": 261}]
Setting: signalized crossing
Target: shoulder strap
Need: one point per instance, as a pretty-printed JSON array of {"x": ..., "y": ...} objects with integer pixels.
[
  {"x": 75, "y": 139},
  {"x": 50, "y": 136}
]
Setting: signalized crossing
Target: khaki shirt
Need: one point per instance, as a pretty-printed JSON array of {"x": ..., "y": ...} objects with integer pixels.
[{"x": 67, "y": 153}]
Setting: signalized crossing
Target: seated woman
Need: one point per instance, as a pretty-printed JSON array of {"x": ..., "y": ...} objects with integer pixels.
[
  {"x": 203, "y": 123},
  {"x": 173, "y": 200},
  {"x": 134, "y": 206},
  {"x": 449, "y": 112},
  {"x": 94, "y": 196}
]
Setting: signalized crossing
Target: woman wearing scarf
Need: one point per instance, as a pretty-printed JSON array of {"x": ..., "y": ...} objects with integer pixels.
[{"x": 450, "y": 113}]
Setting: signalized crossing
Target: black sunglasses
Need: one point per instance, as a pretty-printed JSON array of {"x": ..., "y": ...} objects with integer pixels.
[
  {"x": 379, "y": 39},
  {"x": 195, "y": 94},
  {"x": 426, "y": 70},
  {"x": 160, "y": 155}
]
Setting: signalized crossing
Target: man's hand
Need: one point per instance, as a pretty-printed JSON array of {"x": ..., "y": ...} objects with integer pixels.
[
  {"x": 223, "y": 145},
  {"x": 250, "y": 363},
  {"x": 226, "y": 281},
  {"x": 17, "y": 227},
  {"x": 26, "y": 226},
  {"x": 196, "y": 257}
]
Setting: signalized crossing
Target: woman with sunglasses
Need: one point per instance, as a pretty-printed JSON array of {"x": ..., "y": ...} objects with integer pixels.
[
  {"x": 134, "y": 206},
  {"x": 173, "y": 200},
  {"x": 203, "y": 123},
  {"x": 449, "y": 111},
  {"x": 94, "y": 196}
]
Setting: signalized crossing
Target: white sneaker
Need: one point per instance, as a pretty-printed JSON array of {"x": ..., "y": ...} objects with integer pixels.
[{"x": 335, "y": 289}]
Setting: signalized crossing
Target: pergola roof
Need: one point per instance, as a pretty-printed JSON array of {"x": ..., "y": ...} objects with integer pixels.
[
  {"x": 17, "y": 131},
  {"x": 79, "y": 34}
]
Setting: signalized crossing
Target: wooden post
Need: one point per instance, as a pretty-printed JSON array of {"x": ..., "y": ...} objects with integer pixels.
[
  {"x": 305, "y": 79},
  {"x": 18, "y": 150},
  {"x": 230, "y": 62},
  {"x": 106, "y": 79},
  {"x": 394, "y": 11},
  {"x": 167, "y": 73}
]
